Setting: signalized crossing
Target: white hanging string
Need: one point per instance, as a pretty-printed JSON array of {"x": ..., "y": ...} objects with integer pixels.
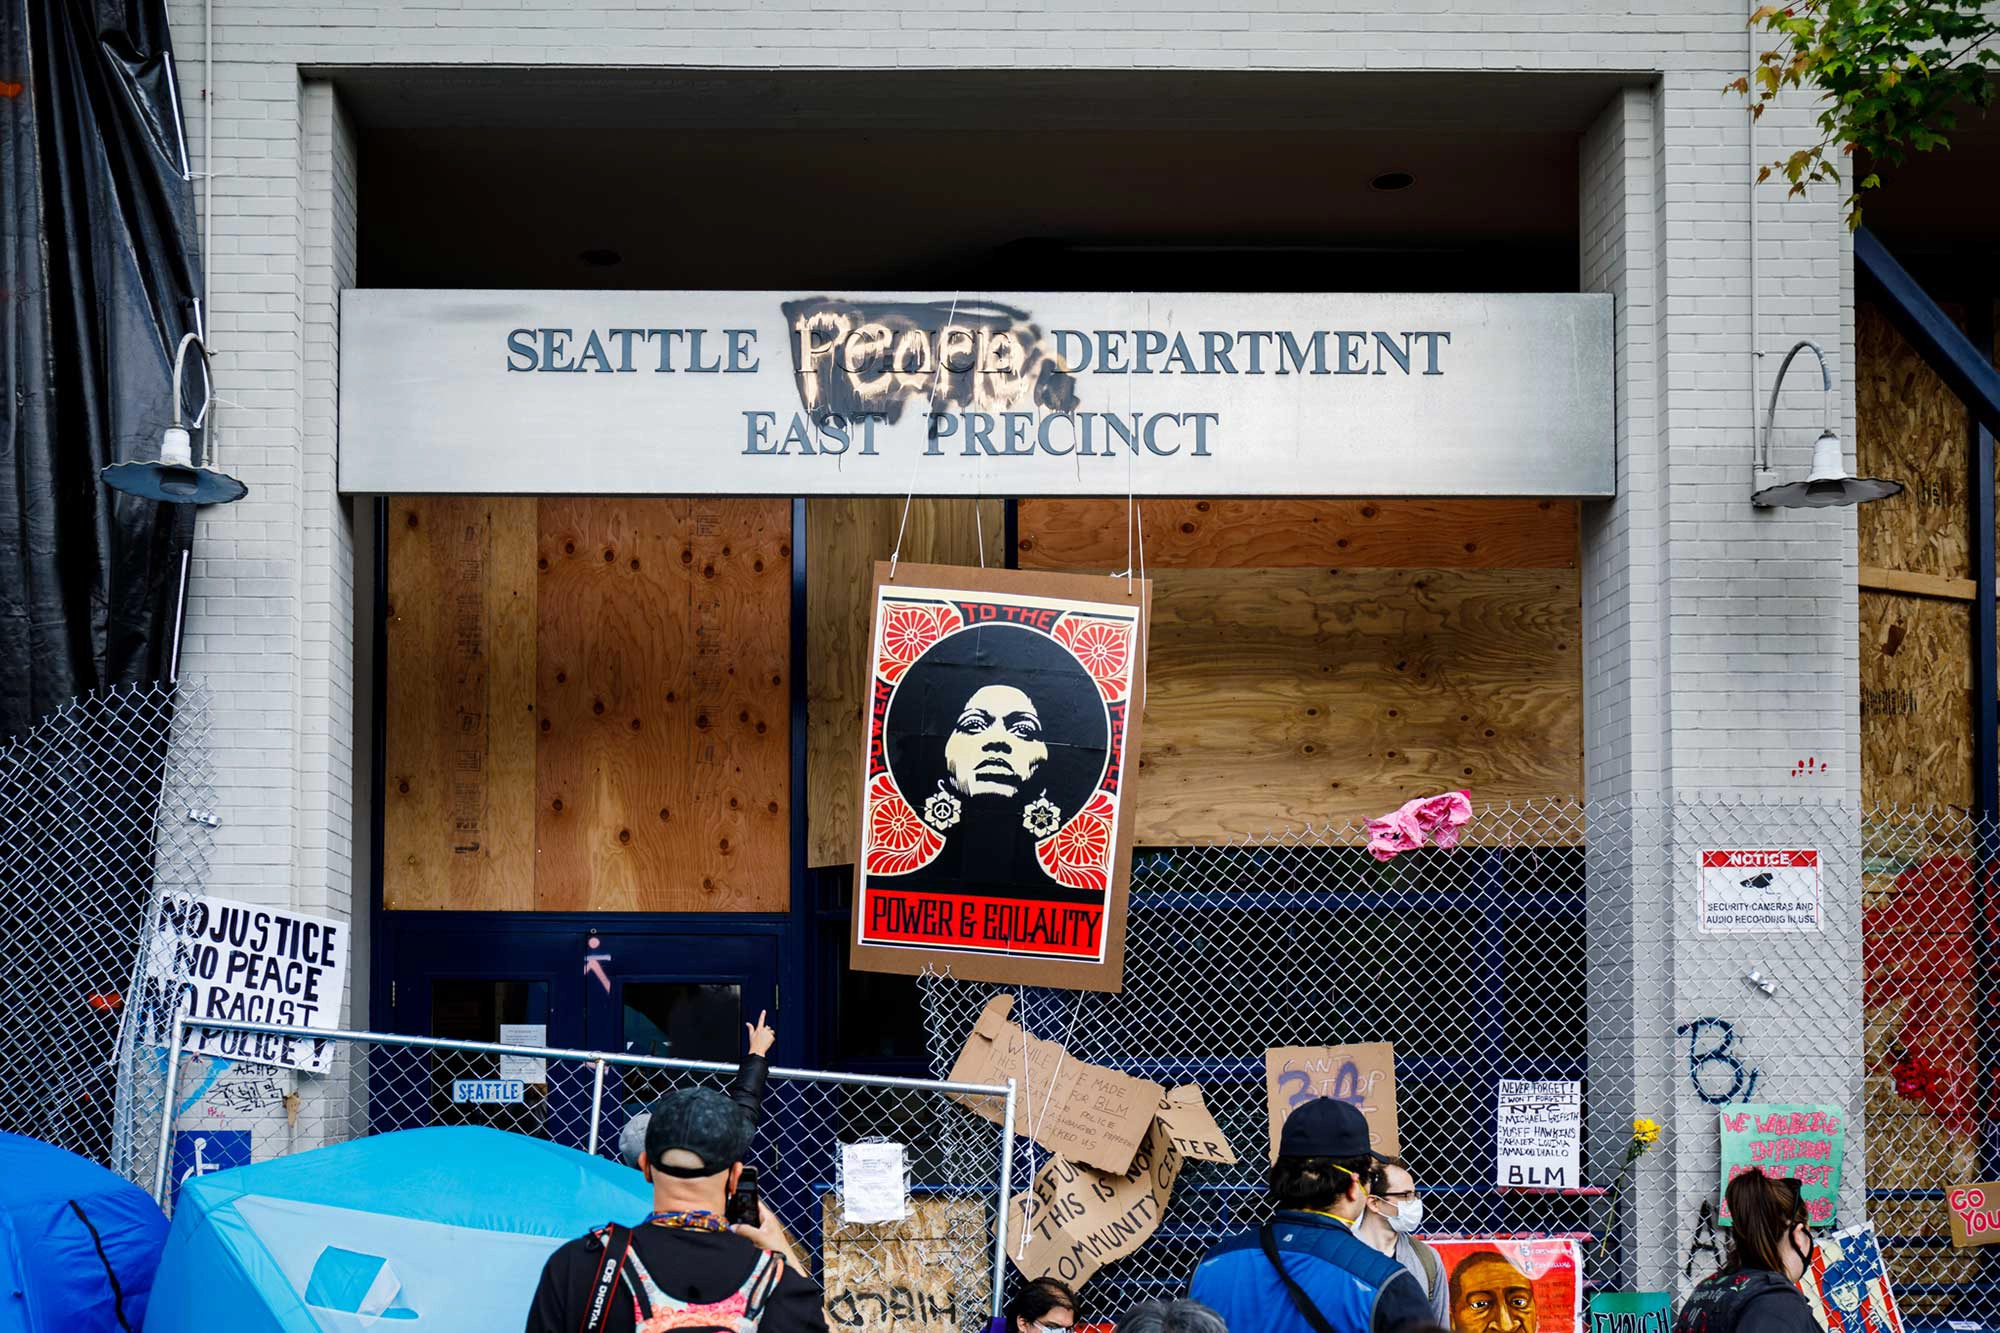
[
  {"x": 1055, "y": 1077},
  {"x": 916, "y": 458}
]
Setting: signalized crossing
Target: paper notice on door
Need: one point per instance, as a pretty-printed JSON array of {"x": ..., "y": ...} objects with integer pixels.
[
  {"x": 524, "y": 1067},
  {"x": 872, "y": 1186}
]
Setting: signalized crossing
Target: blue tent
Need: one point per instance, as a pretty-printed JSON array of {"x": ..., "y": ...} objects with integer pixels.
[
  {"x": 423, "y": 1228},
  {"x": 77, "y": 1244}
]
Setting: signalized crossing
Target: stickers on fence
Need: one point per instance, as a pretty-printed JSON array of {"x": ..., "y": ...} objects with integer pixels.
[
  {"x": 1746, "y": 891},
  {"x": 250, "y": 964},
  {"x": 1632, "y": 1312},
  {"x": 202, "y": 1152},
  {"x": 527, "y": 1068},
  {"x": 1526, "y": 1285},
  {"x": 1848, "y": 1286},
  {"x": 873, "y": 1187},
  {"x": 1077, "y": 1220},
  {"x": 1082, "y": 1112},
  {"x": 1974, "y": 1212},
  {"x": 1363, "y": 1075},
  {"x": 911, "y": 1276},
  {"x": 1802, "y": 1143},
  {"x": 1539, "y": 1134},
  {"x": 488, "y": 1091}
]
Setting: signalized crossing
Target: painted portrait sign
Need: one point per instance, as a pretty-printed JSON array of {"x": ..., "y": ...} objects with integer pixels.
[
  {"x": 1003, "y": 722},
  {"x": 1529, "y": 1284}
]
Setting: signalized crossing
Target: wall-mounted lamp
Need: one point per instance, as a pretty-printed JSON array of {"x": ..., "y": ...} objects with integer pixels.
[
  {"x": 173, "y": 478},
  {"x": 1827, "y": 484}
]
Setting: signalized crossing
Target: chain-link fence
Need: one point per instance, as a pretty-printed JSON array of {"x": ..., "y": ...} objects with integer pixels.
[
  {"x": 104, "y": 804},
  {"x": 933, "y": 1267},
  {"x": 1567, "y": 942}
]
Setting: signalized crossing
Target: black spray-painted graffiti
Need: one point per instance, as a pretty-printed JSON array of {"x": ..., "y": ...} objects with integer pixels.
[
  {"x": 1705, "y": 1240},
  {"x": 900, "y": 1305},
  {"x": 1703, "y": 1063}
]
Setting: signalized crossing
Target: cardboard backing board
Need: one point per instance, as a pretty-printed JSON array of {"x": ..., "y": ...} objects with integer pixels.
[
  {"x": 1002, "y": 726},
  {"x": 1974, "y": 1213},
  {"x": 1363, "y": 1074}
]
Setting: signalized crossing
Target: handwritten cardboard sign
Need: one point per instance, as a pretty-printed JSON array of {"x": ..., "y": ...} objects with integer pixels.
[
  {"x": 1191, "y": 1128},
  {"x": 1847, "y": 1285},
  {"x": 1632, "y": 1312},
  {"x": 1974, "y": 1212},
  {"x": 1080, "y": 1112},
  {"x": 1363, "y": 1075},
  {"x": 1799, "y": 1142},
  {"x": 902, "y": 1276},
  {"x": 1539, "y": 1138}
]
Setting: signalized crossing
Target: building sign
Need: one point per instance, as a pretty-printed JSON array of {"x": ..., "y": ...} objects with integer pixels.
[
  {"x": 773, "y": 393},
  {"x": 994, "y": 839},
  {"x": 489, "y": 1091},
  {"x": 1747, "y": 891}
]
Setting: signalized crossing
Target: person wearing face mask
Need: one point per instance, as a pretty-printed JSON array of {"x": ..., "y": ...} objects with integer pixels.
[
  {"x": 1389, "y": 1223},
  {"x": 1770, "y": 1247}
]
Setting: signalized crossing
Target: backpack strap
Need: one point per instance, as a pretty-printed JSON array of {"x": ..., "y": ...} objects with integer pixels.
[
  {"x": 763, "y": 1281},
  {"x": 1304, "y": 1302},
  {"x": 617, "y": 1245},
  {"x": 1433, "y": 1266}
]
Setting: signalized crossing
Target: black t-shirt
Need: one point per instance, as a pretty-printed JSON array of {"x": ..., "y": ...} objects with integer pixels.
[{"x": 697, "y": 1266}]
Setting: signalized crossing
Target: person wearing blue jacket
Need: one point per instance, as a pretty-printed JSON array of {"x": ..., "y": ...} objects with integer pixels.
[{"x": 1305, "y": 1271}]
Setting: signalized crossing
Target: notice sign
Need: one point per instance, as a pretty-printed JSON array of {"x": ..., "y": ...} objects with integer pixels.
[
  {"x": 995, "y": 843},
  {"x": 1975, "y": 1214},
  {"x": 250, "y": 964},
  {"x": 1540, "y": 1134},
  {"x": 1802, "y": 1143},
  {"x": 1742, "y": 892}
]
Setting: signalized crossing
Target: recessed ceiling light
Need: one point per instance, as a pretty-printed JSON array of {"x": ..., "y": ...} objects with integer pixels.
[
  {"x": 601, "y": 258},
  {"x": 1392, "y": 180}
]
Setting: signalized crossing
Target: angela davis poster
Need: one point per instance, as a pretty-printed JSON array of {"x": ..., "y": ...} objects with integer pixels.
[{"x": 1002, "y": 725}]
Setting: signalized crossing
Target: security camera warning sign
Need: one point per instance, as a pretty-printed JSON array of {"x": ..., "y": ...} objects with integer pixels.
[{"x": 1743, "y": 892}]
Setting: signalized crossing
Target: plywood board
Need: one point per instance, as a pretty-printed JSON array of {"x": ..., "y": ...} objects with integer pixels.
[
  {"x": 1091, "y": 535},
  {"x": 458, "y": 817},
  {"x": 1910, "y": 427},
  {"x": 1303, "y": 696},
  {"x": 844, "y": 540},
  {"x": 926, "y": 1273},
  {"x": 1916, "y": 697}
]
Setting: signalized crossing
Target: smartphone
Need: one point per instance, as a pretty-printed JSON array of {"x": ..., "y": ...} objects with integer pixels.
[{"x": 743, "y": 1204}]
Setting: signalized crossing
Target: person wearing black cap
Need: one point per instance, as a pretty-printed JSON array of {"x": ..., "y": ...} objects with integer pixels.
[
  {"x": 1306, "y": 1271},
  {"x": 683, "y": 1267}
]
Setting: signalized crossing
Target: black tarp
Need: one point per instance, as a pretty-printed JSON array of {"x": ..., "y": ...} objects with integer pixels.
[{"x": 100, "y": 276}]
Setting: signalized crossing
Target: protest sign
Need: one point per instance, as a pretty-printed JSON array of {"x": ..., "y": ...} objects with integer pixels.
[
  {"x": 1524, "y": 1285},
  {"x": 1539, "y": 1139},
  {"x": 1363, "y": 1075},
  {"x": 1974, "y": 1211},
  {"x": 1191, "y": 1128},
  {"x": 1081, "y": 1112},
  {"x": 904, "y": 1276},
  {"x": 1632, "y": 1312},
  {"x": 1743, "y": 891},
  {"x": 1848, "y": 1286},
  {"x": 217, "y": 958},
  {"x": 1802, "y": 1143}
]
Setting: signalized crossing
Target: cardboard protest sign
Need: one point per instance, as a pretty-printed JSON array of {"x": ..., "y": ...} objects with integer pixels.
[
  {"x": 1802, "y": 1142},
  {"x": 1536, "y": 1281},
  {"x": 1080, "y": 1112},
  {"x": 1539, "y": 1138},
  {"x": 904, "y": 1275},
  {"x": 1364, "y": 1075},
  {"x": 1848, "y": 1285},
  {"x": 1632, "y": 1312},
  {"x": 1742, "y": 891},
  {"x": 218, "y": 958},
  {"x": 1974, "y": 1212},
  {"x": 1192, "y": 1129},
  {"x": 995, "y": 843}
]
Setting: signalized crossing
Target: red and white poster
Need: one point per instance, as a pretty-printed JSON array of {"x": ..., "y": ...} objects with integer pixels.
[
  {"x": 1002, "y": 725},
  {"x": 1746, "y": 891},
  {"x": 1529, "y": 1284}
]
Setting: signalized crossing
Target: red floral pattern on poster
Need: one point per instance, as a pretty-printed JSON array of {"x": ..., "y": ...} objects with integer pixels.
[
  {"x": 898, "y": 841},
  {"x": 1917, "y": 947},
  {"x": 1103, "y": 646},
  {"x": 908, "y": 628},
  {"x": 1078, "y": 856}
]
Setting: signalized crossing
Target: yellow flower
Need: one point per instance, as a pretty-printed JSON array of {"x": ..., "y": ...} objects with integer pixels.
[{"x": 1645, "y": 1132}]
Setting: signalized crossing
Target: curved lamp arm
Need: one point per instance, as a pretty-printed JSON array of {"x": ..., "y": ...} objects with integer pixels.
[
  {"x": 207, "y": 378},
  {"x": 1826, "y": 386}
]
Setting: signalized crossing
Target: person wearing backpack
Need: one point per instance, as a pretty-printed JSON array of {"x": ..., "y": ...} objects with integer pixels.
[
  {"x": 683, "y": 1268},
  {"x": 1305, "y": 1271},
  {"x": 1389, "y": 1223}
]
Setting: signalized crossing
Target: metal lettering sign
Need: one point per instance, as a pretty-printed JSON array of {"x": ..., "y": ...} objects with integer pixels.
[{"x": 773, "y": 393}]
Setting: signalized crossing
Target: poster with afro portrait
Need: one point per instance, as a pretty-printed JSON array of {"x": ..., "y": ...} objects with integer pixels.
[{"x": 1002, "y": 725}]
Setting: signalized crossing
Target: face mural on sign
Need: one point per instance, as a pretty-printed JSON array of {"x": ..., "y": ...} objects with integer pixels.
[
  {"x": 996, "y": 737},
  {"x": 1490, "y": 1295}
]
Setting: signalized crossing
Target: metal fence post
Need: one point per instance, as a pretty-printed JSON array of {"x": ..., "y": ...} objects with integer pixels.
[
  {"x": 1006, "y": 1184},
  {"x": 167, "y": 1116},
  {"x": 596, "y": 1102}
]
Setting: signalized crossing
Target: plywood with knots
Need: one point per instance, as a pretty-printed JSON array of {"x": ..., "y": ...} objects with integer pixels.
[
  {"x": 1916, "y": 699},
  {"x": 1909, "y": 426}
]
